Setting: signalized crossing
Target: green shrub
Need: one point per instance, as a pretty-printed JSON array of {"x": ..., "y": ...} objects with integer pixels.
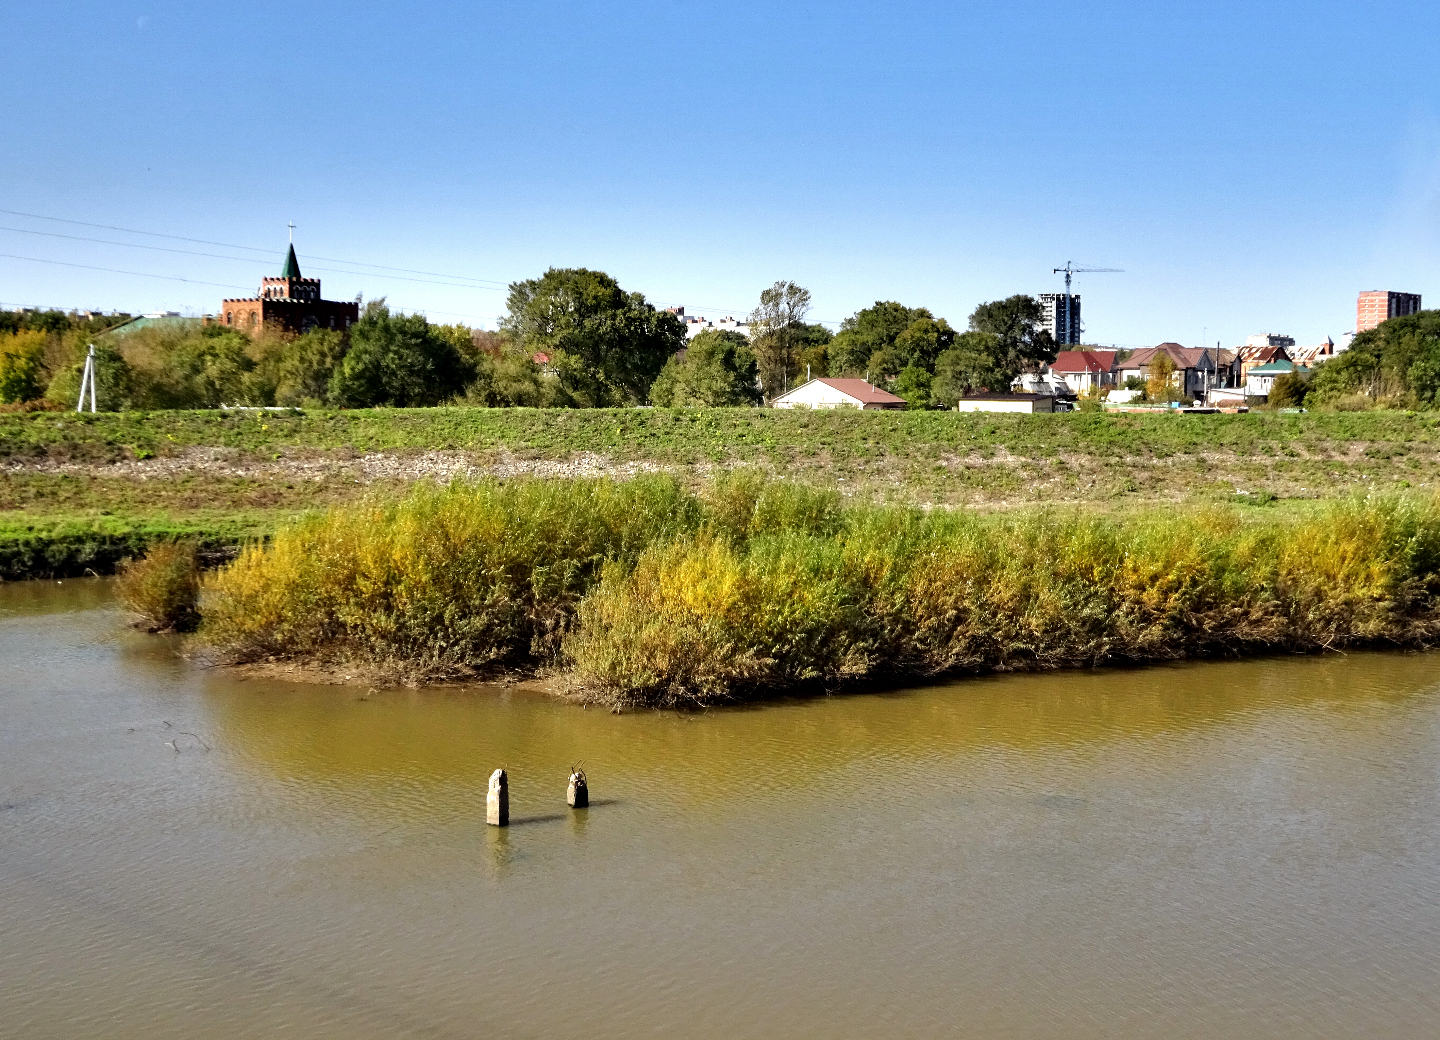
[
  {"x": 896, "y": 593},
  {"x": 163, "y": 587},
  {"x": 22, "y": 356},
  {"x": 447, "y": 579},
  {"x": 655, "y": 596}
]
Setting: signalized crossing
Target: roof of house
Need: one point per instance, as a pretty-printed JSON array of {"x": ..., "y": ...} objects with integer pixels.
[
  {"x": 152, "y": 321},
  {"x": 1184, "y": 357},
  {"x": 1083, "y": 361},
  {"x": 1263, "y": 354},
  {"x": 856, "y": 389},
  {"x": 1275, "y": 368},
  {"x": 1319, "y": 352},
  {"x": 1007, "y": 397}
]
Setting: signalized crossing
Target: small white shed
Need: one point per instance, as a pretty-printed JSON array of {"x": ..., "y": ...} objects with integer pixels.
[{"x": 1007, "y": 403}]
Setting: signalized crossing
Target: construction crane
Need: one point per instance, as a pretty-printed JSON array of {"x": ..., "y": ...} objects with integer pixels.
[{"x": 1068, "y": 270}]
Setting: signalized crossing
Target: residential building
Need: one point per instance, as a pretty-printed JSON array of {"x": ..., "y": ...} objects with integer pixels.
[
  {"x": 696, "y": 324},
  {"x": 1062, "y": 316},
  {"x": 1379, "y": 305},
  {"x": 1262, "y": 377},
  {"x": 838, "y": 393},
  {"x": 1252, "y": 355},
  {"x": 1008, "y": 403},
  {"x": 289, "y": 302},
  {"x": 1309, "y": 357},
  {"x": 1196, "y": 370},
  {"x": 1085, "y": 370},
  {"x": 1269, "y": 339}
]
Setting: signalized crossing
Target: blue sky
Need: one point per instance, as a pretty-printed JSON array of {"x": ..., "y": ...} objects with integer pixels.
[{"x": 1251, "y": 167}]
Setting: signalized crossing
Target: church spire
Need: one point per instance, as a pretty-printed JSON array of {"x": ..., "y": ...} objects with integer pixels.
[{"x": 292, "y": 266}]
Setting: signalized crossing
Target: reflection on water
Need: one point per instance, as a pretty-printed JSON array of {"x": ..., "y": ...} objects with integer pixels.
[{"x": 1229, "y": 849}]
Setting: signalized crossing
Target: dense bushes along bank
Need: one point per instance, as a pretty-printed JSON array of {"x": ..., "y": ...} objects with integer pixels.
[{"x": 648, "y": 595}]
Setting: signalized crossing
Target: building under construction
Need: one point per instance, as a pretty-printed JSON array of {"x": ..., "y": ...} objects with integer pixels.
[{"x": 1062, "y": 316}]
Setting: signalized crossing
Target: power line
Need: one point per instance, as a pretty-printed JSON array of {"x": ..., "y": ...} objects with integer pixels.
[
  {"x": 232, "y": 245},
  {"x": 240, "y": 259},
  {"x": 113, "y": 270}
]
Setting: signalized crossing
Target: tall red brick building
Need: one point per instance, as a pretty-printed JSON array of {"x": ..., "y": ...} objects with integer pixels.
[
  {"x": 290, "y": 302},
  {"x": 1379, "y": 305}
]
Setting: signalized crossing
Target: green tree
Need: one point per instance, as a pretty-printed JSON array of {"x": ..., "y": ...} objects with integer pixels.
[
  {"x": 1020, "y": 343},
  {"x": 22, "y": 359},
  {"x": 875, "y": 330},
  {"x": 306, "y": 366},
  {"x": 914, "y": 384},
  {"x": 718, "y": 370},
  {"x": 510, "y": 379},
  {"x": 396, "y": 360},
  {"x": 1288, "y": 391},
  {"x": 776, "y": 328},
  {"x": 975, "y": 363},
  {"x": 604, "y": 345},
  {"x": 1395, "y": 364},
  {"x": 813, "y": 342},
  {"x": 211, "y": 368}
]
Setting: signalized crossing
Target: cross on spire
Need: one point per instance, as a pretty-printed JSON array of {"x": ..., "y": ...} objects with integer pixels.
[{"x": 291, "y": 226}]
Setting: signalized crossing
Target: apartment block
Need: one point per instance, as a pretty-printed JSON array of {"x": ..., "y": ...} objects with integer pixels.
[{"x": 1380, "y": 305}]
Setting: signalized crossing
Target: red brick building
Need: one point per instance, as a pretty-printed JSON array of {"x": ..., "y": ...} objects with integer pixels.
[
  {"x": 1379, "y": 305},
  {"x": 291, "y": 303}
]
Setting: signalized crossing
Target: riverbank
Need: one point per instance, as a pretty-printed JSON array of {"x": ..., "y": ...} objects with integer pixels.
[
  {"x": 224, "y": 476},
  {"x": 642, "y": 593}
]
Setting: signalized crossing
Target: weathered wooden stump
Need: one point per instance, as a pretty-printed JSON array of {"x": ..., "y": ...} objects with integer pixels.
[
  {"x": 497, "y": 802},
  {"x": 577, "y": 795}
]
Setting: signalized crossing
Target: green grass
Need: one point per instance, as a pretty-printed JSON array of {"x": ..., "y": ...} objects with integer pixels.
[
  {"x": 700, "y": 434},
  {"x": 66, "y": 547},
  {"x": 57, "y": 467}
]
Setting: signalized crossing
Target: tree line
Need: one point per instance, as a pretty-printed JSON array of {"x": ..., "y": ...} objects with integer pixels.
[{"x": 571, "y": 338}]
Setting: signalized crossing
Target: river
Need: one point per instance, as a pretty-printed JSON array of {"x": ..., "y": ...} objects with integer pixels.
[{"x": 1233, "y": 849}]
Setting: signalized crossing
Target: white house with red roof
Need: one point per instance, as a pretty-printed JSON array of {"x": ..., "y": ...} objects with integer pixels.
[
  {"x": 838, "y": 393},
  {"x": 1085, "y": 369}
]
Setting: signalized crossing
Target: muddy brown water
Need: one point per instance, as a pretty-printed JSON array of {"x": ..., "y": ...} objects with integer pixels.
[{"x": 1208, "y": 850}]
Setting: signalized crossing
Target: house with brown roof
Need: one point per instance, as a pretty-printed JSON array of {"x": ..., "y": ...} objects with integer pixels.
[
  {"x": 1309, "y": 357},
  {"x": 1253, "y": 356},
  {"x": 1196, "y": 370},
  {"x": 826, "y": 392}
]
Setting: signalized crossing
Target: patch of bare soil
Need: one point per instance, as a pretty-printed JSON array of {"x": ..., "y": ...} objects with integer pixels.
[{"x": 317, "y": 465}]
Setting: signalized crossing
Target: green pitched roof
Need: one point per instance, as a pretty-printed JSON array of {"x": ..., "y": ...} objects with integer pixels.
[{"x": 292, "y": 266}]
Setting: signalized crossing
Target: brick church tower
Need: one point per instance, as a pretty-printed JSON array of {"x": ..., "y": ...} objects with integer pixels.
[{"x": 290, "y": 302}]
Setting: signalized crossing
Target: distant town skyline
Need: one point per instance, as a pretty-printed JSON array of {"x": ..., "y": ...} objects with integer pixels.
[{"x": 699, "y": 155}]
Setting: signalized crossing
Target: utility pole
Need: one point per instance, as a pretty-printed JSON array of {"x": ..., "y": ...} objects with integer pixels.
[{"x": 87, "y": 379}]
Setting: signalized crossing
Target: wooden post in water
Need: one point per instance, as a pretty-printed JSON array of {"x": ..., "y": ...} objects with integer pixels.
[
  {"x": 497, "y": 802},
  {"x": 577, "y": 795}
]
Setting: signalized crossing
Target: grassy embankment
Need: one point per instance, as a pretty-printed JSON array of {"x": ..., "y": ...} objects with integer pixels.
[
  {"x": 642, "y": 593},
  {"x": 80, "y": 492}
]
